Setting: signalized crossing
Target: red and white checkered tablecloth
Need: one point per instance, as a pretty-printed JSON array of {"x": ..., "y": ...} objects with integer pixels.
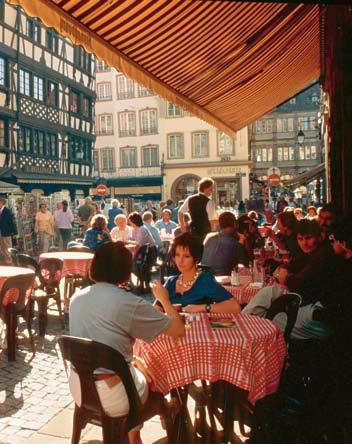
[
  {"x": 243, "y": 293},
  {"x": 250, "y": 356},
  {"x": 74, "y": 262}
]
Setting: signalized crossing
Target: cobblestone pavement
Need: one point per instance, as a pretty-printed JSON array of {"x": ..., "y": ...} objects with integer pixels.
[{"x": 32, "y": 390}]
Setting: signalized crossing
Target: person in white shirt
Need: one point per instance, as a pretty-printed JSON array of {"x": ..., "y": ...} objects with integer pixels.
[
  {"x": 63, "y": 221},
  {"x": 201, "y": 209},
  {"x": 122, "y": 231}
]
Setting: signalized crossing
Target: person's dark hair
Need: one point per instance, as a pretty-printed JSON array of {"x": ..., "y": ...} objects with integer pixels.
[
  {"x": 243, "y": 223},
  {"x": 169, "y": 202},
  {"x": 64, "y": 205},
  {"x": 99, "y": 222},
  {"x": 135, "y": 218},
  {"x": 205, "y": 183},
  {"x": 190, "y": 241},
  {"x": 112, "y": 263},
  {"x": 227, "y": 219},
  {"x": 306, "y": 226},
  {"x": 288, "y": 220}
]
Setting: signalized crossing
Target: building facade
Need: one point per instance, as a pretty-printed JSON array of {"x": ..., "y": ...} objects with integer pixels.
[
  {"x": 274, "y": 143},
  {"x": 47, "y": 95},
  {"x": 128, "y": 148},
  {"x": 147, "y": 148}
]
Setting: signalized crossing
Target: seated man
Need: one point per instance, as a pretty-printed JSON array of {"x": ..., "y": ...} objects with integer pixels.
[
  {"x": 311, "y": 275},
  {"x": 165, "y": 223},
  {"x": 222, "y": 251},
  {"x": 149, "y": 223}
]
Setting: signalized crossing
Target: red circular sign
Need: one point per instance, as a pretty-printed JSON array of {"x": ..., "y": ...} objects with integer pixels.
[
  {"x": 101, "y": 189},
  {"x": 274, "y": 179}
]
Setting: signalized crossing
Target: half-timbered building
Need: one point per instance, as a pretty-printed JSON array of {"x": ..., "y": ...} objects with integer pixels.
[{"x": 47, "y": 95}]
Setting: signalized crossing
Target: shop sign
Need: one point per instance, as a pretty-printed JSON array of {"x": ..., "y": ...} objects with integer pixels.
[{"x": 224, "y": 170}]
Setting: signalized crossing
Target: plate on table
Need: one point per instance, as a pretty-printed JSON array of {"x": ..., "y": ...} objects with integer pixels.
[
  {"x": 223, "y": 280},
  {"x": 222, "y": 323}
]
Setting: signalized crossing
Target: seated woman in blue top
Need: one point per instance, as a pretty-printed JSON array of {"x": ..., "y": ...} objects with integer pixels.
[
  {"x": 98, "y": 233},
  {"x": 196, "y": 291}
]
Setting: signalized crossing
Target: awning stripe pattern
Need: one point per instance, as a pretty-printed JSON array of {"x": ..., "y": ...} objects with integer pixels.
[{"x": 227, "y": 62}]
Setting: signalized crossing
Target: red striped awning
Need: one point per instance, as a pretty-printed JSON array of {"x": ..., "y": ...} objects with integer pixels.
[{"x": 226, "y": 62}]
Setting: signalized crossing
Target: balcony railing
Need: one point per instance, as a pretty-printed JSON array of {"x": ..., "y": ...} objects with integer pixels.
[
  {"x": 126, "y": 133},
  {"x": 149, "y": 130},
  {"x": 133, "y": 172}
]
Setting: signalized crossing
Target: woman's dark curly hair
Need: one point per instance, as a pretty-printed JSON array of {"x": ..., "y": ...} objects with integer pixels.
[
  {"x": 135, "y": 218},
  {"x": 190, "y": 241}
]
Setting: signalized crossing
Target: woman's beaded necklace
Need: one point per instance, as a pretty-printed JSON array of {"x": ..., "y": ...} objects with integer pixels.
[{"x": 187, "y": 284}]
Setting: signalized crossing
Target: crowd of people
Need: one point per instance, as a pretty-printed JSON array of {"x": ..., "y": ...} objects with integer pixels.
[{"x": 206, "y": 242}]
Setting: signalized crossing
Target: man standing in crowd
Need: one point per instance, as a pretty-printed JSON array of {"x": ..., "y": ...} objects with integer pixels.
[
  {"x": 222, "y": 252},
  {"x": 44, "y": 228},
  {"x": 85, "y": 213},
  {"x": 201, "y": 208},
  {"x": 165, "y": 223},
  {"x": 7, "y": 230}
]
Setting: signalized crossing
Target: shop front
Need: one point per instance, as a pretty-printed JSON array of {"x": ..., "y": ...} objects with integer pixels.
[{"x": 231, "y": 182}]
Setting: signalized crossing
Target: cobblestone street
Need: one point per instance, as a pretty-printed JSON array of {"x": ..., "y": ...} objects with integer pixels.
[{"x": 32, "y": 391}]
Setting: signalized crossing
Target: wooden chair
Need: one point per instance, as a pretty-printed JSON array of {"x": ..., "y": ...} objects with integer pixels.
[
  {"x": 85, "y": 355},
  {"x": 49, "y": 272},
  {"x": 14, "y": 302},
  {"x": 47, "y": 281}
]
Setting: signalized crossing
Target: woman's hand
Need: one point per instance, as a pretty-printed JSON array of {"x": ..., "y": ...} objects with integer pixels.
[
  {"x": 142, "y": 367},
  {"x": 160, "y": 292}
]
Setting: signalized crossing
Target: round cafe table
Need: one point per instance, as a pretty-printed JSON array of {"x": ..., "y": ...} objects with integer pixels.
[
  {"x": 250, "y": 355},
  {"x": 74, "y": 262},
  {"x": 9, "y": 271}
]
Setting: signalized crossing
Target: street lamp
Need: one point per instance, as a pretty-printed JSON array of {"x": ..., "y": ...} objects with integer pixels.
[{"x": 300, "y": 137}]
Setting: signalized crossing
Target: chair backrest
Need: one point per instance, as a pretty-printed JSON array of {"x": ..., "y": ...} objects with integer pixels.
[
  {"x": 24, "y": 260},
  {"x": 50, "y": 272},
  {"x": 287, "y": 303},
  {"x": 17, "y": 290},
  {"x": 85, "y": 356},
  {"x": 13, "y": 253},
  {"x": 81, "y": 249}
]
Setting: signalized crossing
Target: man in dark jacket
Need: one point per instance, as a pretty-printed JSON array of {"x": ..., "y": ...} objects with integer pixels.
[
  {"x": 222, "y": 251},
  {"x": 7, "y": 230}
]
